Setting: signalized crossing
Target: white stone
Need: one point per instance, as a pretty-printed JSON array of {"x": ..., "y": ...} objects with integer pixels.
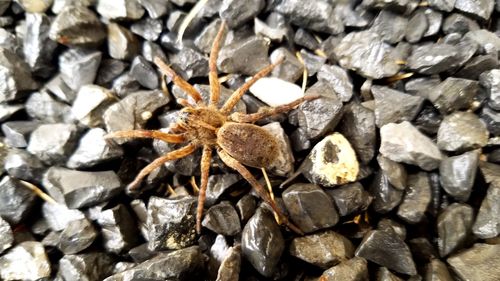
[{"x": 275, "y": 92}]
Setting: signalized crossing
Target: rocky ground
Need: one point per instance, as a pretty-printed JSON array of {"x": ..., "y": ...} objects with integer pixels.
[{"x": 392, "y": 174}]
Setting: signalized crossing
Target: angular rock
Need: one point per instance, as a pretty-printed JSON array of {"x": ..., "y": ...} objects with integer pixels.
[
  {"x": 487, "y": 223},
  {"x": 454, "y": 226},
  {"x": 171, "y": 223},
  {"x": 453, "y": 94},
  {"x": 490, "y": 81},
  {"x": 461, "y": 131},
  {"x": 477, "y": 65},
  {"x": 367, "y": 54},
  {"x": 246, "y": 207},
  {"x": 144, "y": 73},
  {"x": 492, "y": 120},
  {"x": 20, "y": 164},
  {"x": 155, "y": 8},
  {"x": 217, "y": 185},
  {"x": 490, "y": 171},
  {"x": 6, "y": 237},
  {"x": 17, "y": 132},
  {"x": 385, "y": 196},
  {"x": 283, "y": 163},
  {"x": 417, "y": 27},
  {"x": 481, "y": 9},
  {"x": 60, "y": 89},
  {"x": 442, "y": 5},
  {"x": 120, "y": 9},
  {"x": 291, "y": 69},
  {"x": 222, "y": 219},
  {"x": 58, "y": 216},
  {"x": 416, "y": 199},
  {"x": 481, "y": 262},
  {"x": 122, "y": 44},
  {"x": 394, "y": 171},
  {"x": 275, "y": 91},
  {"x": 119, "y": 230},
  {"x": 77, "y": 25},
  {"x": 392, "y": 106},
  {"x": 26, "y": 255},
  {"x": 77, "y": 236},
  {"x": 79, "y": 189},
  {"x": 41, "y": 106},
  {"x": 184, "y": 264},
  {"x": 93, "y": 149},
  {"x": 404, "y": 143},
  {"x": 324, "y": 249},
  {"x": 230, "y": 61},
  {"x": 433, "y": 58},
  {"x": 312, "y": 62},
  {"x": 338, "y": 79},
  {"x": 16, "y": 200},
  {"x": 238, "y": 12},
  {"x": 7, "y": 111},
  {"x": 89, "y": 266},
  {"x": 350, "y": 198},
  {"x": 435, "y": 19},
  {"x": 457, "y": 174},
  {"x": 90, "y": 103},
  {"x": 437, "y": 270},
  {"x": 147, "y": 28},
  {"x": 307, "y": 205},
  {"x": 49, "y": 147},
  {"x": 386, "y": 249},
  {"x": 37, "y": 46},
  {"x": 262, "y": 243},
  {"x": 488, "y": 41},
  {"x": 458, "y": 23},
  {"x": 230, "y": 266},
  {"x": 16, "y": 76},
  {"x": 331, "y": 162},
  {"x": 390, "y": 26},
  {"x": 78, "y": 67},
  {"x": 275, "y": 27},
  {"x": 355, "y": 269}
]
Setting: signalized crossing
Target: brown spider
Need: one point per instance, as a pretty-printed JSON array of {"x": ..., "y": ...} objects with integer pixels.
[{"x": 205, "y": 126}]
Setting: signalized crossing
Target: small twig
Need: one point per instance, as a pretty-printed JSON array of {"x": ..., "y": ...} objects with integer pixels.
[
  {"x": 271, "y": 193},
  {"x": 38, "y": 192},
  {"x": 189, "y": 17},
  {"x": 304, "y": 74},
  {"x": 196, "y": 189}
]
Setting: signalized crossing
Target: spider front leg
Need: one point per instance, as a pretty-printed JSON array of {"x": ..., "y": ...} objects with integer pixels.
[
  {"x": 206, "y": 157},
  {"x": 234, "y": 164},
  {"x": 212, "y": 64}
]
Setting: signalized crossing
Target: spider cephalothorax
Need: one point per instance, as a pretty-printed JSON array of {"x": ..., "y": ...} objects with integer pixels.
[{"x": 200, "y": 125}]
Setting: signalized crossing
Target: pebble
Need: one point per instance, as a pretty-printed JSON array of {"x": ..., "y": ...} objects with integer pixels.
[
  {"x": 8, "y": 110},
  {"x": 312, "y": 62},
  {"x": 355, "y": 269},
  {"x": 453, "y": 94},
  {"x": 155, "y": 8},
  {"x": 477, "y": 65},
  {"x": 275, "y": 33},
  {"x": 119, "y": 230},
  {"x": 390, "y": 26},
  {"x": 316, "y": 16},
  {"x": 461, "y": 131},
  {"x": 26, "y": 255},
  {"x": 457, "y": 174},
  {"x": 222, "y": 219},
  {"x": 171, "y": 223},
  {"x": 120, "y": 9},
  {"x": 6, "y": 236},
  {"x": 331, "y": 162},
  {"x": 206, "y": 37},
  {"x": 189, "y": 63},
  {"x": 393, "y": 106},
  {"x": 433, "y": 58},
  {"x": 489, "y": 43},
  {"x": 490, "y": 81},
  {"x": 437, "y": 270},
  {"x": 416, "y": 199},
  {"x": 404, "y": 143},
  {"x": 124, "y": 85},
  {"x": 147, "y": 28},
  {"x": 442, "y": 5},
  {"x": 20, "y": 164},
  {"x": 76, "y": 25},
  {"x": 88, "y": 266},
  {"x": 41, "y": 106},
  {"x": 324, "y": 249},
  {"x": 310, "y": 207},
  {"x": 481, "y": 262},
  {"x": 417, "y": 27},
  {"x": 350, "y": 198},
  {"x": 57, "y": 87},
  {"x": 230, "y": 267},
  {"x": 459, "y": 23},
  {"x": 58, "y": 216},
  {"x": 338, "y": 79},
  {"x": 385, "y": 196},
  {"x": 319, "y": 116},
  {"x": 367, "y": 54},
  {"x": 291, "y": 69},
  {"x": 262, "y": 243},
  {"x": 52, "y": 148},
  {"x": 454, "y": 226},
  {"x": 283, "y": 164},
  {"x": 384, "y": 274},
  {"x": 217, "y": 185},
  {"x": 38, "y": 49},
  {"x": 394, "y": 171},
  {"x": 77, "y": 236},
  {"x": 187, "y": 263},
  {"x": 387, "y": 249},
  {"x": 144, "y": 73},
  {"x": 275, "y": 91},
  {"x": 93, "y": 149},
  {"x": 435, "y": 20},
  {"x": 246, "y": 207},
  {"x": 481, "y": 9},
  {"x": 151, "y": 50},
  {"x": 79, "y": 189},
  {"x": 17, "y": 132},
  {"x": 17, "y": 77},
  {"x": 238, "y": 12},
  {"x": 122, "y": 43},
  {"x": 78, "y": 67},
  {"x": 487, "y": 223},
  {"x": 91, "y": 101},
  {"x": 246, "y": 56},
  {"x": 16, "y": 200}
]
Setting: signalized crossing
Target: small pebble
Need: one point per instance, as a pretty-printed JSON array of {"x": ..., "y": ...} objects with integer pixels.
[
  {"x": 17, "y": 132},
  {"x": 52, "y": 148},
  {"x": 454, "y": 226},
  {"x": 283, "y": 163},
  {"x": 93, "y": 149},
  {"x": 392, "y": 106},
  {"x": 457, "y": 174},
  {"x": 238, "y": 12},
  {"x": 222, "y": 219},
  {"x": 88, "y": 266},
  {"x": 119, "y": 230},
  {"x": 355, "y": 269},
  {"x": 350, "y": 198},
  {"x": 122, "y": 44},
  {"x": 244, "y": 56},
  {"x": 385, "y": 196},
  {"x": 77, "y": 236},
  {"x": 78, "y": 67},
  {"x": 16, "y": 200},
  {"x": 481, "y": 262},
  {"x": 26, "y": 255},
  {"x": 461, "y": 131},
  {"x": 120, "y": 9},
  {"x": 487, "y": 223},
  {"x": 17, "y": 77},
  {"x": 6, "y": 237},
  {"x": 416, "y": 199},
  {"x": 91, "y": 101},
  {"x": 275, "y": 91}
]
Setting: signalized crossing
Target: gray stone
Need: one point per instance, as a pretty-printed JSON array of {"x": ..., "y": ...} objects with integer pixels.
[
  {"x": 386, "y": 249},
  {"x": 16, "y": 200},
  {"x": 481, "y": 262},
  {"x": 171, "y": 223},
  {"x": 490, "y": 81},
  {"x": 312, "y": 62},
  {"x": 461, "y": 131},
  {"x": 238, "y": 12},
  {"x": 390, "y": 26},
  {"x": 246, "y": 207},
  {"x": 367, "y": 54},
  {"x": 433, "y": 58},
  {"x": 119, "y": 229},
  {"x": 37, "y": 46},
  {"x": 244, "y": 56},
  {"x": 488, "y": 41},
  {"x": 52, "y": 148},
  {"x": 262, "y": 243},
  {"x": 122, "y": 43},
  {"x": 338, "y": 79},
  {"x": 6, "y": 237},
  {"x": 457, "y": 174},
  {"x": 355, "y": 269},
  {"x": 16, "y": 76},
  {"x": 222, "y": 219},
  {"x": 93, "y": 149},
  {"x": 41, "y": 106},
  {"x": 17, "y": 132},
  {"x": 385, "y": 196},
  {"x": 435, "y": 19},
  {"x": 442, "y": 5},
  {"x": 454, "y": 226},
  {"x": 487, "y": 224},
  {"x": 189, "y": 63},
  {"x": 77, "y": 25},
  {"x": 152, "y": 50},
  {"x": 120, "y": 9},
  {"x": 29, "y": 254},
  {"x": 217, "y": 185},
  {"x": 79, "y": 67},
  {"x": 417, "y": 26},
  {"x": 20, "y": 164},
  {"x": 89, "y": 266},
  {"x": 477, "y": 65},
  {"x": 404, "y": 143},
  {"x": 394, "y": 171},
  {"x": 283, "y": 163},
  {"x": 155, "y": 8},
  {"x": 310, "y": 208},
  {"x": 291, "y": 69},
  {"x": 275, "y": 33},
  {"x": 481, "y": 8},
  {"x": 416, "y": 199},
  {"x": 148, "y": 28},
  {"x": 77, "y": 236},
  {"x": 124, "y": 85},
  {"x": 323, "y": 249},
  {"x": 459, "y": 23},
  {"x": 79, "y": 189},
  {"x": 453, "y": 94},
  {"x": 90, "y": 103},
  {"x": 60, "y": 89},
  {"x": 58, "y": 216},
  {"x": 437, "y": 270},
  {"x": 350, "y": 198},
  {"x": 392, "y": 106},
  {"x": 144, "y": 73}
]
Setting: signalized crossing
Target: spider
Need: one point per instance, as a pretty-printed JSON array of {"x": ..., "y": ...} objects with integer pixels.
[{"x": 237, "y": 141}]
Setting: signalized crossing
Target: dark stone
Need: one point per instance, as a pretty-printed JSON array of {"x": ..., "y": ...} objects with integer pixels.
[
  {"x": 490, "y": 171},
  {"x": 481, "y": 262},
  {"x": 217, "y": 185},
  {"x": 80, "y": 189},
  {"x": 454, "y": 226},
  {"x": 307, "y": 205},
  {"x": 416, "y": 199},
  {"x": 487, "y": 224},
  {"x": 125, "y": 85},
  {"x": 384, "y": 274},
  {"x": 156, "y": 8},
  {"x": 392, "y": 106},
  {"x": 490, "y": 81},
  {"x": 60, "y": 89},
  {"x": 395, "y": 172},
  {"x": 433, "y": 58},
  {"x": 16, "y": 76},
  {"x": 238, "y": 12},
  {"x": 390, "y": 26},
  {"x": 152, "y": 50},
  {"x": 144, "y": 73},
  {"x": 428, "y": 120},
  {"x": 457, "y": 174},
  {"x": 417, "y": 27},
  {"x": 119, "y": 229},
  {"x": 17, "y": 132},
  {"x": 8, "y": 110},
  {"x": 244, "y": 56},
  {"x": 89, "y": 266},
  {"x": 304, "y": 38},
  {"x": 246, "y": 207},
  {"x": 262, "y": 243},
  {"x": 461, "y": 131},
  {"x": 453, "y": 94},
  {"x": 171, "y": 223},
  {"x": 350, "y": 199},
  {"x": 387, "y": 249},
  {"x": 312, "y": 62},
  {"x": 459, "y": 23},
  {"x": 385, "y": 196},
  {"x": 291, "y": 69},
  {"x": 338, "y": 79},
  {"x": 422, "y": 249},
  {"x": 41, "y": 106},
  {"x": 355, "y": 269},
  {"x": 16, "y": 200},
  {"x": 189, "y": 63},
  {"x": 6, "y": 237},
  {"x": 77, "y": 236},
  {"x": 147, "y": 28},
  {"x": 26, "y": 255},
  {"x": 109, "y": 69},
  {"x": 323, "y": 249},
  {"x": 222, "y": 219},
  {"x": 49, "y": 147},
  {"x": 477, "y": 65}
]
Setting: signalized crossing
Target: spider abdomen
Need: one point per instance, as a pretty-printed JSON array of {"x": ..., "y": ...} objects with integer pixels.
[{"x": 249, "y": 144}]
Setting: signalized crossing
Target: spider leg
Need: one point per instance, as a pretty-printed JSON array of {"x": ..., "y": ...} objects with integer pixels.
[
  {"x": 269, "y": 111},
  {"x": 179, "y": 81},
  {"x": 172, "y": 155},
  {"x": 151, "y": 134},
  {"x": 234, "y": 164},
  {"x": 236, "y": 96},
  {"x": 206, "y": 157},
  {"x": 212, "y": 75}
]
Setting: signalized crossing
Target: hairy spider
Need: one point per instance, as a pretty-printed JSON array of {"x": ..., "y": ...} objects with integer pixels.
[{"x": 236, "y": 140}]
